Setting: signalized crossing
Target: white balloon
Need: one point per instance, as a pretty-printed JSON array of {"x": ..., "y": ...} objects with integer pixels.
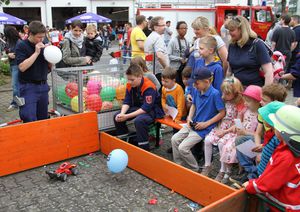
[{"x": 52, "y": 54}]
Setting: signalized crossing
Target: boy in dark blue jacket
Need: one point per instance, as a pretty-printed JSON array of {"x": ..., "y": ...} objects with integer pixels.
[{"x": 142, "y": 102}]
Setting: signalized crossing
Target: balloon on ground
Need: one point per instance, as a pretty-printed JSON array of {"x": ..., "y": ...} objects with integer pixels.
[{"x": 117, "y": 161}]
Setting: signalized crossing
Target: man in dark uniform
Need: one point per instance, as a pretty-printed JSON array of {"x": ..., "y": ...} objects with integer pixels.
[
  {"x": 142, "y": 102},
  {"x": 33, "y": 74}
]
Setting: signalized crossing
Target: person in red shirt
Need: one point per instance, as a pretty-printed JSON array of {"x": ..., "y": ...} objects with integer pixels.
[{"x": 280, "y": 182}]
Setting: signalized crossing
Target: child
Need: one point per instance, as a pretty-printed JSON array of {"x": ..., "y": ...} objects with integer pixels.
[
  {"x": 270, "y": 93},
  {"x": 207, "y": 109},
  {"x": 232, "y": 95},
  {"x": 186, "y": 74},
  {"x": 280, "y": 181},
  {"x": 93, "y": 44},
  {"x": 142, "y": 102},
  {"x": 252, "y": 98},
  {"x": 172, "y": 94},
  {"x": 142, "y": 63},
  {"x": 207, "y": 51}
]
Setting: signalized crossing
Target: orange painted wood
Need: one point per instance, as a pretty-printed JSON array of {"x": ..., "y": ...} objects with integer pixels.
[
  {"x": 38, "y": 143},
  {"x": 234, "y": 202},
  {"x": 169, "y": 122},
  {"x": 192, "y": 185}
]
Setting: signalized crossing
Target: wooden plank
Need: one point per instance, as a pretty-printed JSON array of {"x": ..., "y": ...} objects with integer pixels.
[
  {"x": 169, "y": 122},
  {"x": 42, "y": 142},
  {"x": 234, "y": 202},
  {"x": 192, "y": 185}
]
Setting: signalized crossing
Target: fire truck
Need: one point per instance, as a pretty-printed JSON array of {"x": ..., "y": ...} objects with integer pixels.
[{"x": 260, "y": 17}]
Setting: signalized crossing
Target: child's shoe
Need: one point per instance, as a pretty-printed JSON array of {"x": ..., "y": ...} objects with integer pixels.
[
  {"x": 220, "y": 176},
  {"x": 206, "y": 170},
  {"x": 225, "y": 179}
]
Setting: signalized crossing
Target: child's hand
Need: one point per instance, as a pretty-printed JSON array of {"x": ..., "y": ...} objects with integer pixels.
[
  {"x": 245, "y": 184},
  {"x": 257, "y": 148},
  {"x": 258, "y": 157},
  {"x": 220, "y": 133},
  {"x": 201, "y": 125},
  {"x": 189, "y": 98},
  {"x": 165, "y": 110},
  {"x": 240, "y": 131},
  {"x": 121, "y": 117},
  {"x": 178, "y": 121}
]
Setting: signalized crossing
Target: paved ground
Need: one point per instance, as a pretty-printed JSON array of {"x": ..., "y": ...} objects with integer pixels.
[{"x": 95, "y": 189}]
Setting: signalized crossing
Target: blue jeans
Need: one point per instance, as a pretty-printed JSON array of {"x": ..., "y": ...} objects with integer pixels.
[
  {"x": 36, "y": 101},
  {"x": 15, "y": 81},
  {"x": 247, "y": 163}
]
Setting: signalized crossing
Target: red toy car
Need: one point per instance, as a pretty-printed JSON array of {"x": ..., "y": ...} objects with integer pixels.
[{"x": 63, "y": 171}]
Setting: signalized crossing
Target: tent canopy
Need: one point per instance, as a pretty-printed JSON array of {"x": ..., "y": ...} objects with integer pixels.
[
  {"x": 9, "y": 19},
  {"x": 89, "y": 18}
]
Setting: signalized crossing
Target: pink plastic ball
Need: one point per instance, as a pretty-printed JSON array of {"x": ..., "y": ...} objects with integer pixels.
[{"x": 93, "y": 87}]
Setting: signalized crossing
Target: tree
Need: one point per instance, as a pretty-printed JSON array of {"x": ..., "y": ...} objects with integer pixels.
[{"x": 4, "y": 2}]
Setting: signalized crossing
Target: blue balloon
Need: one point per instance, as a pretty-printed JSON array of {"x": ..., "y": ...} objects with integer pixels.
[{"x": 117, "y": 160}]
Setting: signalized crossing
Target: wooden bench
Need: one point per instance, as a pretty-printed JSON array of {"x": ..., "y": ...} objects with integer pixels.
[{"x": 167, "y": 121}]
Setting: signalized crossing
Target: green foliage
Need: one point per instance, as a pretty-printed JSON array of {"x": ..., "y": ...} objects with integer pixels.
[
  {"x": 4, "y": 2},
  {"x": 4, "y": 68}
]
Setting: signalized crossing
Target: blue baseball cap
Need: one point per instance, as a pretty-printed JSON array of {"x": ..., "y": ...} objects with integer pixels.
[{"x": 200, "y": 74}]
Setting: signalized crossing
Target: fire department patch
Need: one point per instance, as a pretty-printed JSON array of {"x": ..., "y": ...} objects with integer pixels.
[
  {"x": 298, "y": 167},
  {"x": 149, "y": 99}
]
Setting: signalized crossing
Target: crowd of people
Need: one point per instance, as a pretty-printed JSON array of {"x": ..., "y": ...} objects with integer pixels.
[{"x": 225, "y": 93}]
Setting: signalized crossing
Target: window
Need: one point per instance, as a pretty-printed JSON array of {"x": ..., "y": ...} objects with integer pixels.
[{"x": 263, "y": 16}]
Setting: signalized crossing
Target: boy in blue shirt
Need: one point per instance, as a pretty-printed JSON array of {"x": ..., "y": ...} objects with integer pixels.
[
  {"x": 206, "y": 110},
  {"x": 207, "y": 51}
]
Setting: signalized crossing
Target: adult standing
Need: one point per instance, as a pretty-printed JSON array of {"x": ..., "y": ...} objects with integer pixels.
[
  {"x": 12, "y": 37},
  {"x": 295, "y": 23},
  {"x": 138, "y": 37},
  {"x": 284, "y": 39},
  {"x": 247, "y": 55},
  {"x": 33, "y": 74},
  {"x": 155, "y": 43},
  {"x": 201, "y": 29},
  {"x": 167, "y": 33},
  {"x": 176, "y": 50},
  {"x": 147, "y": 29},
  {"x": 73, "y": 50},
  {"x": 225, "y": 32}
]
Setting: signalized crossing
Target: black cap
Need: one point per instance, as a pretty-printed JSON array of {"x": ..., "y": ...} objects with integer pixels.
[
  {"x": 149, "y": 18},
  {"x": 200, "y": 74}
]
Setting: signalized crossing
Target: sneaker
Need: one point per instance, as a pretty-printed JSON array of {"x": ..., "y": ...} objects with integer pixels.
[
  {"x": 225, "y": 179},
  {"x": 206, "y": 170},
  {"x": 11, "y": 108},
  {"x": 240, "y": 179},
  {"x": 170, "y": 150},
  {"x": 220, "y": 176}
]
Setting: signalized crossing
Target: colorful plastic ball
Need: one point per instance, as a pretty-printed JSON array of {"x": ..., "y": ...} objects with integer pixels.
[
  {"x": 52, "y": 54},
  {"x": 106, "y": 105},
  {"x": 108, "y": 93},
  {"x": 75, "y": 104},
  {"x": 93, "y": 87},
  {"x": 120, "y": 92},
  {"x": 93, "y": 102},
  {"x": 117, "y": 161},
  {"x": 71, "y": 89},
  {"x": 62, "y": 96}
]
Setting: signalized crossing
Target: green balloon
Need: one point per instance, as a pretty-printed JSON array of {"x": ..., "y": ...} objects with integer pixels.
[
  {"x": 62, "y": 96},
  {"x": 108, "y": 93},
  {"x": 123, "y": 81}
]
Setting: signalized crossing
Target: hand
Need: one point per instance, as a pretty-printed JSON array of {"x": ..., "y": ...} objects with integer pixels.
[
  {"x": 245, "y": 184},
  {"x": 257, "y": 148},
  {"x": 258, "y": 157},
  {"x": 38, "y": 47},
  {"x": 188, "y": 123},
  {"x": 165, "y": 110},
  {"x": 220, "y": 133},
  {"x": 11, "y": 55},
  {"x": 178, "y": 121},
  {"x": 189, "y": 98},
  {"x": 121, "y": 117},
  {"x": 240, "y": 131},
  {"x": 88, "y": 59},
  {"x": 183, "y": 60},
  {"x": 201, "y": 125}
]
